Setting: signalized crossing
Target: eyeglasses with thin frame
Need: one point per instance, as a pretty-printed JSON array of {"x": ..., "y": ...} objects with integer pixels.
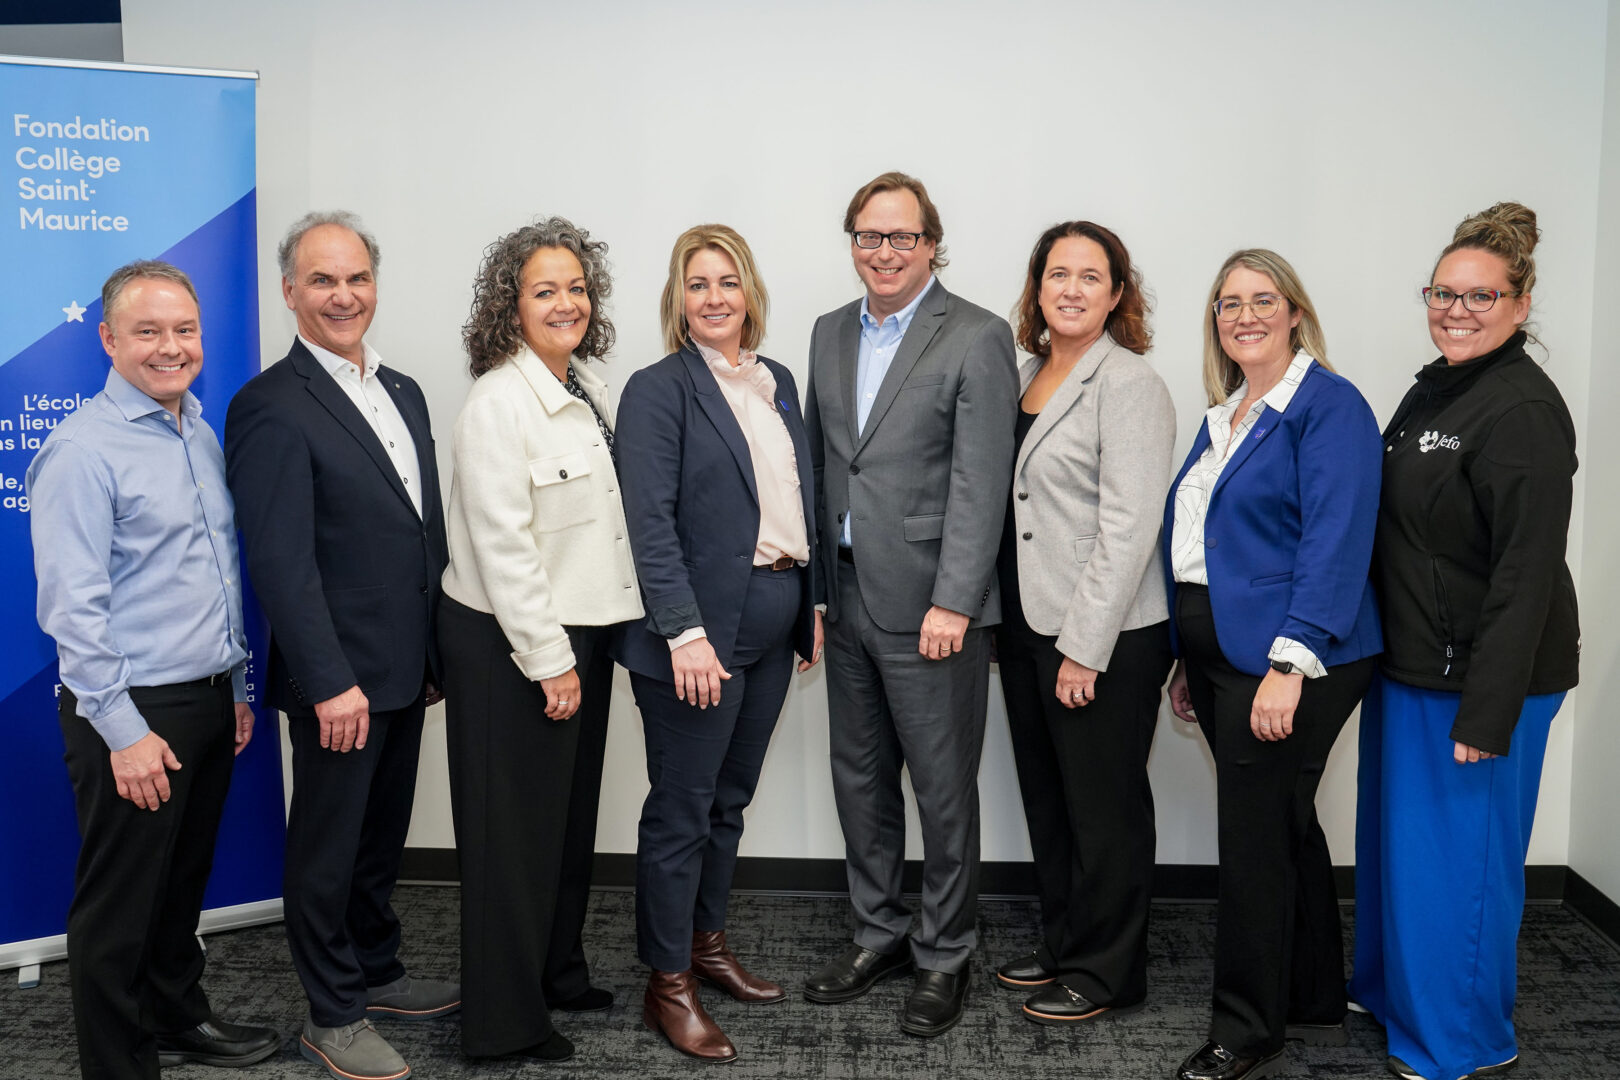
[
  {"x": 1264, "y": 306},
  {"x": 1440, "y": 298},
  {"x": 900, "y": 241}
]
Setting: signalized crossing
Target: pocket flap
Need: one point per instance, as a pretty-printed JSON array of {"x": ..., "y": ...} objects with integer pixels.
[
  {"x": 923, "y": 527},
  {"x": 1083, "y": 547},
  {"x": 1271, "y": 579},
  {"x": 558, "y": 468}
]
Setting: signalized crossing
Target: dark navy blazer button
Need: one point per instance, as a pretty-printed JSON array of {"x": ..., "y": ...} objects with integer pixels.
[
  {"x": 1022, "y": 495},
  {"x": 1029, "y": 536},
  {"x": 562, "y": 473},
  {"x": 854, "y": 470},
  {"x": 424, "y": 590}
]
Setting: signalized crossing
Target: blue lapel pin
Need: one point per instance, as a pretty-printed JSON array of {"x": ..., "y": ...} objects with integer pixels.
[{"x": 784, "y": 405}]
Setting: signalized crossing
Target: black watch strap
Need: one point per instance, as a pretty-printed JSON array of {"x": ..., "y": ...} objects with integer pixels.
[{"x": 1284, "y": 666}]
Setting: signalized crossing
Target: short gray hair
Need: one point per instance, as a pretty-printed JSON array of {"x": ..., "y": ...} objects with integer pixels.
[
  {"x": 113, "y": 288},
  {"x": 287, "y": 252}
]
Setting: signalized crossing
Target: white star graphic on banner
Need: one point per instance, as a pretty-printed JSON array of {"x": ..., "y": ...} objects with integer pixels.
[{"x": 74, "y": 312}]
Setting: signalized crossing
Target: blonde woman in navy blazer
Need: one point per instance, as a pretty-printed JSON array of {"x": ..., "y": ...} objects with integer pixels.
[
  {"x": 718, "y": 495},
  {"x": 1268, "y": 537}
]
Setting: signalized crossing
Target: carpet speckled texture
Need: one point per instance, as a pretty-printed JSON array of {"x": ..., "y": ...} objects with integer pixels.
[{"x": 1568, "y": 1015}]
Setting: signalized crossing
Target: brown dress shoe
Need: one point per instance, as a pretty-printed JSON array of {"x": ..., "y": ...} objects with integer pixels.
[
  {"x": 671, "y": 1006},
  {"x": 713, "y": 962}
]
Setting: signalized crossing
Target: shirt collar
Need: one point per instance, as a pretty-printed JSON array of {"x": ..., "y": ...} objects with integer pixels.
[
  {"x": 749, "y": 370},
  {"x": 1280, "y": 395},
  {"x": 334, "y": 364},
  {"x": 902, "y": 318},
  {"x": 716, "y": 359},
  {"x": 133, "y": 404}
]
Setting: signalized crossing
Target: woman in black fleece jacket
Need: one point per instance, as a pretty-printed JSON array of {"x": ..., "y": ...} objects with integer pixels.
[{"x": 1481, "y": 642}]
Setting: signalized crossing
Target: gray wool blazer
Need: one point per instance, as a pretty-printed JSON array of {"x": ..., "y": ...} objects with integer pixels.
[{"x": 1088, "y": 499}]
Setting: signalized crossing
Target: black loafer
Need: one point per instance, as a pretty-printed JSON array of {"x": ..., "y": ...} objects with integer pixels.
[
  {"x": 594, "y": 999},
  {"x": 1212, "y": 1061},
  {"x": 936, "y": 1003},
  {"x": 852, "y": 973},
  {"x": 1024, "y": 973},
  {"x": 218, "y": 1042},
  {"x": 1058, "y": 1004},
  {"x": 1319, "y": 1034}
]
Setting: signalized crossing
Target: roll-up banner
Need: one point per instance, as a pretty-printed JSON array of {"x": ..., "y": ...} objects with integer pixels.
[{"x": 103, "y": 164}]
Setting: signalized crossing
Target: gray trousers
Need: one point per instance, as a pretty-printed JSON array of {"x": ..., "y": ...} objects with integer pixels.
[{"x": 889, "y": 708}]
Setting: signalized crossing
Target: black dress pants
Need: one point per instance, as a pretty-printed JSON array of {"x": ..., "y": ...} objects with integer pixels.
[
  {"x": 1279, "y": 948},
  {"x": 702, "y": 767},
  {"x": 345, "y": 835},
  {"x": 524, "y": 791},
  {"x": 1084, "y": 779},
  {"x": 133, "y": 958}
]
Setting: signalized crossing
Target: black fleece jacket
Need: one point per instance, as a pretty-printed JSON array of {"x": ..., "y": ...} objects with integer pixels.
[{"x": 1469, "y": 557}]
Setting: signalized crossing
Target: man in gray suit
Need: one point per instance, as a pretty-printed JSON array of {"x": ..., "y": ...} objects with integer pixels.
[{"x": 910, "y": 414}]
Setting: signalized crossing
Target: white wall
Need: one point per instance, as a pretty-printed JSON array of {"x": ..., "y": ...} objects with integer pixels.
[
  {"x": 1349, "y": 138},
  {"x": 1594, "y": 850}
]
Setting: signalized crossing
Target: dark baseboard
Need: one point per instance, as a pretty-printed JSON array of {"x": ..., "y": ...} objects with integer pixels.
[
  {"x": 1589, "y": 902},
  {"x": 821, "y": 877}
]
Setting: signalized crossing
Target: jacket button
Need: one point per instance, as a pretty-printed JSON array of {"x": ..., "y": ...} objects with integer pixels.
[
  {"x": 854, "y": 470},
  {"x": 1022, "y": 495},
  {"x": 424, "y": 590},
  {"x": 1029, "y": 536},
  {"x": 1209, "y": 541},
  {"x": 562, "y": 474}
]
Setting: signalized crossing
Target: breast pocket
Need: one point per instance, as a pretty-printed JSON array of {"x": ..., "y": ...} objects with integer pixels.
[
  {"x": 564, "y": 494},
  {"x": 1083, "y": 547}
]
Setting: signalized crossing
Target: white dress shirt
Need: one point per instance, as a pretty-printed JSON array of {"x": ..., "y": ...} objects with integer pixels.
[
  {"x": 1193, "y": 496},
  {"x": 372, "y": 399}
]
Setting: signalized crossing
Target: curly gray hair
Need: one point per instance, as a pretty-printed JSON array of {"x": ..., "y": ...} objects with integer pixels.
[
  {"x": 492, "y": 333},
  {"x": 287, "y": 251}
]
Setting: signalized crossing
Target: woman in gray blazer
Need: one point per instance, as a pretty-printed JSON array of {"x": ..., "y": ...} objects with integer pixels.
[{"x": 1084, "y": 641}]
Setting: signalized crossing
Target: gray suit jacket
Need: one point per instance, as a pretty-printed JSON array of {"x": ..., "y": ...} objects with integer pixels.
[
  {"x": 1089, "y": 487},
  {"x": 926, "y": 480}
]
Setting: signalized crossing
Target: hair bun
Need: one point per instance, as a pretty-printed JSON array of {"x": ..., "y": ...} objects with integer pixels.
[{"x": 1508, "y": 228}]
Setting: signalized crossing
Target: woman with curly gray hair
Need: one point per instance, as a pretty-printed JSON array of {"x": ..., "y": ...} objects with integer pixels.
[{"x": 539, "y": 583}]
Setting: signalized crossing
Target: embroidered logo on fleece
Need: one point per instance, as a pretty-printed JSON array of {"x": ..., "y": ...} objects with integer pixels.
[{"x": 1433, "y": 440}]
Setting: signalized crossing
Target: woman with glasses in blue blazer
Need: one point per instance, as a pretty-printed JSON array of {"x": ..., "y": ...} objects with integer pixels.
[{"x": 1269, "y": 529}]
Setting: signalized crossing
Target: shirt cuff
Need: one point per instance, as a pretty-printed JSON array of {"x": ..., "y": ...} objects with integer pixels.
[
  {"x": 120, "y": 726},
  {"x": 1293, "y": 652},
  {"x": 239, "y": 683},
  {"x": 686, "y": 636}
]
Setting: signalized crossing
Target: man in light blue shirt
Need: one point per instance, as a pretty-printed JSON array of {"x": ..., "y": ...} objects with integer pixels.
[{"x": 135, "y": 552}]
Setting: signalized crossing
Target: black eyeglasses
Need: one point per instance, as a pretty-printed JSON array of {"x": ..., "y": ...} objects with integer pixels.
[
  {"x": 900, "y": 241},
  {"x": 1440, "y": 298}
]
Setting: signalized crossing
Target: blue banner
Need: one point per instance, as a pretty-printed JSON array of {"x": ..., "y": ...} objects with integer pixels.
[{"x": 102, "y": 164}]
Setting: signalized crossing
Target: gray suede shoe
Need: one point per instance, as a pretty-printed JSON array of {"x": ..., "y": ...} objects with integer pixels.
[
  {"x": 413, "y": 999},
  {"x": 352, "y": 1052}
]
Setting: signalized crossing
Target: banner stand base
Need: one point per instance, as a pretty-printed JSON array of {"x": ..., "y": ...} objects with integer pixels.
[
  {"x": 27, "y": 956},
  {"x": 28, "y": 976}
]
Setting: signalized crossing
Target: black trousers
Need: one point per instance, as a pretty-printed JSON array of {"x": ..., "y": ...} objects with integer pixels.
[
  {"x": 345, "y": 835},
  {"x": 524, "y": 791},
  {"x": 703, "y": 766},
  {"x": 1083, "y": 775},
  {"x": 133, "y": 958},
  {"x": 1279, "y": 949}
]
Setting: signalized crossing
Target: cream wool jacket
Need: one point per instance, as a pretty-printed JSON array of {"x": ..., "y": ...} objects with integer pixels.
[{"x": 537, "y": 534}]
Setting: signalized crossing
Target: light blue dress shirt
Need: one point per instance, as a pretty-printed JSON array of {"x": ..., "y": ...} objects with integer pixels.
[
  {"x": 880, "y": 341},
  {"x": 135, "y": 551}
]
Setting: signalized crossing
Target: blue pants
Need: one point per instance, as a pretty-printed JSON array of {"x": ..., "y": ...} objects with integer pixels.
[
  {"x": 1440, "y": 850},
  {"x": 702, "y": 766}
]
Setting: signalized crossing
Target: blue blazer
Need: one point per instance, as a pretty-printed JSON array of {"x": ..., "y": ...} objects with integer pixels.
[
  {"x": 692, "y": 507},
  {"x": 1289, "y": 535}
]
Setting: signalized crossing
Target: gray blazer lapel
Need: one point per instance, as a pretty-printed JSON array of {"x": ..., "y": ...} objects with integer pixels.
[
  {"x": 849, "y": 361},
  {"x": 925, "y": 324},
  {"x": 1067, "y": 395}
]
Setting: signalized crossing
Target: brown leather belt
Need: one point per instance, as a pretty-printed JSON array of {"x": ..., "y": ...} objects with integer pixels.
[{"x": 785, "y": 562}]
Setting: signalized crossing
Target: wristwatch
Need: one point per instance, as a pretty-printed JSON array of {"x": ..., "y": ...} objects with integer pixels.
[{"x": 1284, "y": 666}]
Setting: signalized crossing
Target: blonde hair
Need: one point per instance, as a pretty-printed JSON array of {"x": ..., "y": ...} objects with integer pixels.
[
  {"x": 1507, "y": 230},
  {"x": 1221, "y": 373},
  {"x": 672, "y": 307}
]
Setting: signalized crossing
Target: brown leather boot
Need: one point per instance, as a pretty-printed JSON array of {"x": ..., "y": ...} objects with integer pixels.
[
  {"x": 713, "y": 962},
  {"x": 671, "y": 1006}
]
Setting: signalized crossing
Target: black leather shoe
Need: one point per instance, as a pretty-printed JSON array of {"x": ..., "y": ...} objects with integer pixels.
[
  {"x": 218, "y": 1042},
  {"x": 594, "y": 999},
  {"x": 852, "y": 972},
  {"x": 1058, "y": 1004},
  {"x": 936, "y": 1002},
  {"x": 1212, "y": 1061},
  {"x": 1024, "y": 973}
]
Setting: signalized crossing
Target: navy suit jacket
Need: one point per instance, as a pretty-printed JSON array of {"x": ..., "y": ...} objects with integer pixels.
[
  {"x": 1289, "y": 534},
  {"x": 692, "y": 507},
  {"x": 345, "y": 569}
]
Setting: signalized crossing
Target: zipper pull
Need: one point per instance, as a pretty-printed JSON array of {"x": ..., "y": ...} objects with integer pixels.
[{"x": 1448, "y": 660}]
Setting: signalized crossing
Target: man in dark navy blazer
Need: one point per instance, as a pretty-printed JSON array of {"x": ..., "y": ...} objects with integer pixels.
[{"x": 330, "y": 458}]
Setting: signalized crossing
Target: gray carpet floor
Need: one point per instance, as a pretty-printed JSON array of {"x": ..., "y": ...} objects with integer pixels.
[{"x": 1568, "y": 1013}]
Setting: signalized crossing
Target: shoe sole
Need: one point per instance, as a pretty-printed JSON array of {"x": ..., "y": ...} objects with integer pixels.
[
  {"x": 389, "y": 1012},
  {"x": 1276, "y": 1063},
  {"x": 741, "y": 1001},
  {"x": 652, "y": 1025},
  {"x": 168, "y": 1059},
  {"x": 1024, "y": 984},
  {"x": 1318, "y": 1034},
  {"x": 1102, "y": 1012},
  {"x": 823, "y": 998},
  {"x": 311, "y": 1053}
]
